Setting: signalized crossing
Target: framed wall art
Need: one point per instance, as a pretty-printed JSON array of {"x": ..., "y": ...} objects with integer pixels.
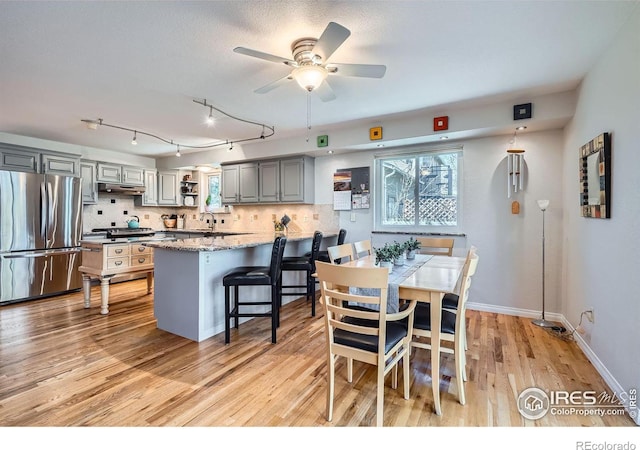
[{"x": 595, "y": 177}]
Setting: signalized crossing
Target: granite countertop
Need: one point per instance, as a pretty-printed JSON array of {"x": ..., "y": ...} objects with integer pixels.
[{"x": 230, "y": 242}]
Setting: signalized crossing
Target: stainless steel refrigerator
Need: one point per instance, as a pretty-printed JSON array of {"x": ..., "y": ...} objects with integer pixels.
[{"x": 40, "y": 231}]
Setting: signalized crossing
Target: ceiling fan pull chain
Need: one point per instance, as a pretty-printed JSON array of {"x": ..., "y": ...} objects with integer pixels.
[{"x": 308, "y": 108}]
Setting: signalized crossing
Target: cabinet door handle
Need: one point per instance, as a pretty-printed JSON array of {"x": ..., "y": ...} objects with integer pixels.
[
  {"x": 118, "y": 251},
  {"x": 141, "y": 260},
  {"x": 141, "y": 249},
  {"x": 118, "y": 263}
]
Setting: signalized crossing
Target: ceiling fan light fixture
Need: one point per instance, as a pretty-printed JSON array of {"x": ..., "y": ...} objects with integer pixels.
[{"x": 309, "y": 77}]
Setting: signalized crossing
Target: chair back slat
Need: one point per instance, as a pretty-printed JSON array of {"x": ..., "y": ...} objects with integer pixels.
[
  {"x": 337, "y": 252},
  {"x": 436, "y": 246}
]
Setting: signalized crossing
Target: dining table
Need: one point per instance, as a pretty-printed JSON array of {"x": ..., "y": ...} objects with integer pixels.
[{"x": 425, "y": 279}]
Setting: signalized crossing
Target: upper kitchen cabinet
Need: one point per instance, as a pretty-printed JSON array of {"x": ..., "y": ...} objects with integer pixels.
[
  {"x": 34, "y": 160},
  {"x": 269, "y": 181},
  {"x": 14, "y": 158},
  {"x": 230, "y": 191},
  {"x": 297, "y": 180},
  {"x": 150, "y": 196},
  {"x": 275, "y": 181},
  {"x": 114, "y": 173},
  {"x": 56, "y": 164},
  {"x": 89, "y": 188},
  {"x": 168, "y": 188}
]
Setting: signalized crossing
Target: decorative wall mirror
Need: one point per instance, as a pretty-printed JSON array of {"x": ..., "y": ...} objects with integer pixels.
[{"x": 595, "y": 177}]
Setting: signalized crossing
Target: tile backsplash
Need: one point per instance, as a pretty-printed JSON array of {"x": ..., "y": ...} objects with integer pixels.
[{"x": 118, "y": 209}]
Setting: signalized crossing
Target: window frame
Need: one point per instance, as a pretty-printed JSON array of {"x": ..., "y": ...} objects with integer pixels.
[{"x": 416, "y": 152}]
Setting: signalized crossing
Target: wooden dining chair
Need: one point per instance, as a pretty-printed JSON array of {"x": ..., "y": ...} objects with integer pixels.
[
  {"x": 436, "y": 246},
  {"x": 340, "y": 253},
  {"x": 450, "y": 300},
  {"x": 372, "y": 336},
  {"x": 362, "y": 248},
  {"x": 451, "y": 326}
]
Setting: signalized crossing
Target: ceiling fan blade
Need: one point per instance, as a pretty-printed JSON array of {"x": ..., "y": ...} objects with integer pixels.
[
  {"x": 271, "y": 86},
  {"x": 357, "y": 70},
  {"x": 332, "y": 37},
  {"x": 325, "y": 92},
  {"x": 266, "y": 56}
]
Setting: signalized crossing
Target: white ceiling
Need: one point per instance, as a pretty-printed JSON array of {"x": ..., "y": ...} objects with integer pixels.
[{"x": 140, "y": 64}]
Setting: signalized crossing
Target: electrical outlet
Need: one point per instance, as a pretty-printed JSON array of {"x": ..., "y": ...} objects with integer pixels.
[
  {"x": 316, "y": 216},
  {"x": 305, "y": 219}
]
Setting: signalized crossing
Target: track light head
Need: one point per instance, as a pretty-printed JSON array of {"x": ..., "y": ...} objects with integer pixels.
[
  {"x": 210, "y": 119},
  {"x": 178, "y": 152},
  {"x": 134, "y": 141}
]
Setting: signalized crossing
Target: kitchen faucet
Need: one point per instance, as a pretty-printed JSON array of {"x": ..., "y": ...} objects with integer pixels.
[{"x": 212, "y": 222}]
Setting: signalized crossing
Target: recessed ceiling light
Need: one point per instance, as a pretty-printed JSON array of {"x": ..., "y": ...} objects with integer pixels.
[
  {"x": 444, "y": 137},
  {"x": 522, "y": 127},
  {"x": 330, "y": 152},
  {"x": 380, "y": 145}
]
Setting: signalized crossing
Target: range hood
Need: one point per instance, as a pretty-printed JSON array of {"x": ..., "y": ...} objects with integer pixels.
[{"x": 121, "y": 189}]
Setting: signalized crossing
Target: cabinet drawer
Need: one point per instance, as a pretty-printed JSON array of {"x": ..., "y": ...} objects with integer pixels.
[
  {"x": 140, "y": 250},
  {"x": 141, "y": 260},
  {"x": 117, "y": 263},
  {"x": 117, "y": 250}
]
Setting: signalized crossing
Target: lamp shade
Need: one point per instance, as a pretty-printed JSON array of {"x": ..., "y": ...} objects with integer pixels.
[
  {"x": 309, "y": 77},
  {"x": 543, "y": 204}
]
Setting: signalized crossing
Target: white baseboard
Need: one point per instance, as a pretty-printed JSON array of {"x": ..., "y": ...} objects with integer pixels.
[{"x": 584, "y": 346}]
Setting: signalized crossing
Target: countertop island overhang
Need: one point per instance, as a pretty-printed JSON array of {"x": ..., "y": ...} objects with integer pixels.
[{"x": 188, "y": 292}]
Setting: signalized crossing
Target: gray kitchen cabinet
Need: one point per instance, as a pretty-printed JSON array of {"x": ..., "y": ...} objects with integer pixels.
[
  {"x": 269, "y": 181},
  {"x": 88, "y": 184},
  {"x": 55, "y": 164},
  {"x": 274, "y": 181},
  {"x": 150, "y": 196},
  {"x": 14, "y": 157},
  {"x": 249, "y": 183},
  {"x": 114, "y": 173},
  {"x": 297, "y": 180},
  {"x": 168, "y": 188},
  {"x": 109, "y": 173},
  {"x": 230, "y": 184}
]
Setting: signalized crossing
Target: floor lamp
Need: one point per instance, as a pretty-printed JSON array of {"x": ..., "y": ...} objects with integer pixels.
[{"x": 543, "y": 204}]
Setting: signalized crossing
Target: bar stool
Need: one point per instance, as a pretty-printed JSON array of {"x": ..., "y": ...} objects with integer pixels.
[
  {"x": 306, "y": 264},
  {"x": 324, "y": 255},
  {"x": 270, "y": 275}
]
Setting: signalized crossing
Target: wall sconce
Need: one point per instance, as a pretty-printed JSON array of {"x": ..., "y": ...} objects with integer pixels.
[{"x": 515, "y": 166}]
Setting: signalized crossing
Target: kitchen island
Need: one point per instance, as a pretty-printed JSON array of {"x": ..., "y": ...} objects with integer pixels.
[{"x": 189, "y": 295}]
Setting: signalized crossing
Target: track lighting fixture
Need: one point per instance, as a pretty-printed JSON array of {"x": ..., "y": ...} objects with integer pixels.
[
  {"x": 210, "y": 119},
  {"x": 93, "y": 124}
]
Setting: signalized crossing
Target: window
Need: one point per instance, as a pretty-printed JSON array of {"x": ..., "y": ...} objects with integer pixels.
[
  {"x": 213, "y": 192},
  {"x": 418, "y": 190}
]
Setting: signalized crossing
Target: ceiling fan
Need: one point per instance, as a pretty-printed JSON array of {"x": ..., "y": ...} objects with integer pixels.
[{"x": 310, "y": 63}]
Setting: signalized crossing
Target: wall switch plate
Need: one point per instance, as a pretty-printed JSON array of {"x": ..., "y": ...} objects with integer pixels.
[{"x": 353, "y": 217}]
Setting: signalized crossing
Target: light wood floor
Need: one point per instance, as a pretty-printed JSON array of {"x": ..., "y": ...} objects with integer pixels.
[{"x": 63, "y": 365}]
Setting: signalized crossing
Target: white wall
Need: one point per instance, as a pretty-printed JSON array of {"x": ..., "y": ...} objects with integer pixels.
[
  {"x": 601, "y": 256},
  {"x": 510, "y": 246}
]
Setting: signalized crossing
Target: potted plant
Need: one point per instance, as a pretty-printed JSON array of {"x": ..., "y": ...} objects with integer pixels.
[
  {"x": 398, "y": 250},
  {"x": 412, "y": 245},
  {"x": 384, "y": 257}
]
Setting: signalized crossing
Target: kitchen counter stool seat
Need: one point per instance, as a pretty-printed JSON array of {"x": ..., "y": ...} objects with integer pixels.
[
  {"x": 307, "y": 264},
  {"x": 254, "y": 276}
]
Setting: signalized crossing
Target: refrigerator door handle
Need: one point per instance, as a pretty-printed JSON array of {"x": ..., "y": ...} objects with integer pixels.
[
  {"x": 43, "y": 210},
  {"x": 40, "y": 254}
]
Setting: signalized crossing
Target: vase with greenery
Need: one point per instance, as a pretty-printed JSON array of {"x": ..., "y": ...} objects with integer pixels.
[
  {"x": 398, "y": 250},
  {"x": 412, "y": 245},
  {"x": 384, "y": 257}
]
